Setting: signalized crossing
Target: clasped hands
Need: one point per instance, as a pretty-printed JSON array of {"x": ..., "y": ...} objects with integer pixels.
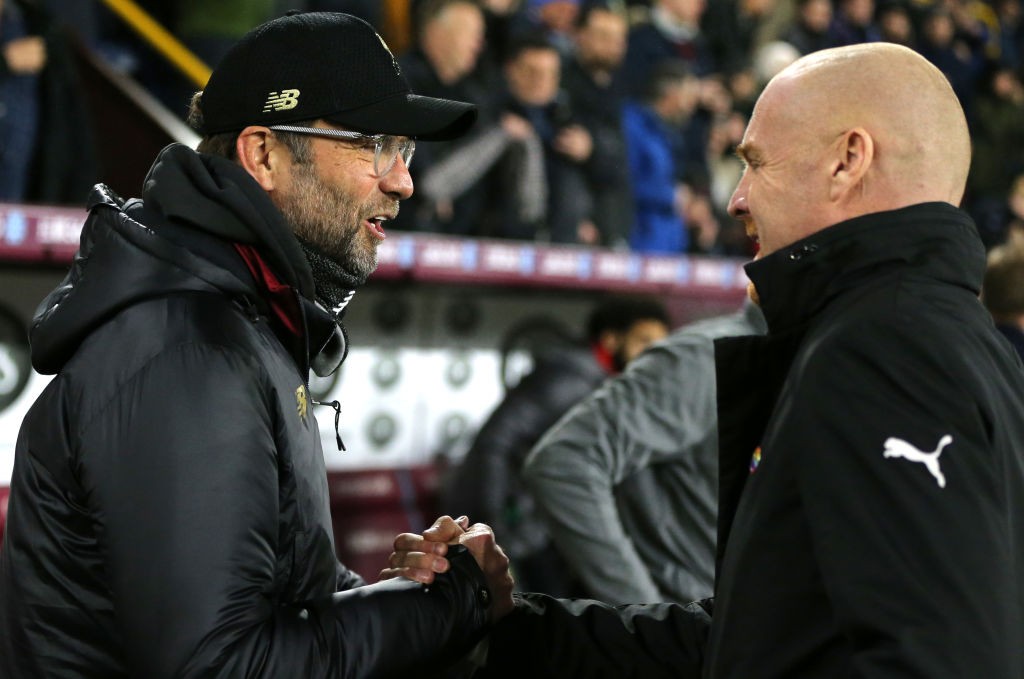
[{"x": 421, "y": 557}]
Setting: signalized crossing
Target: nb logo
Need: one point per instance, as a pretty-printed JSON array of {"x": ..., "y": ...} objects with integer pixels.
[
  {"x": 895, "y": 447},
  {"x": 281, "y": 101}
]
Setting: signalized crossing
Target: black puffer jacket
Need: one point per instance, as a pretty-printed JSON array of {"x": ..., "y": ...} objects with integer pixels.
[
  {"x": 488, "y": 486},
  {"x": 169, "y": 505},
  {"x": 871, "y": 482}
]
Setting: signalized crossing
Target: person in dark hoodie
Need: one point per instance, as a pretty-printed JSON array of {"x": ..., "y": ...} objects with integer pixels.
[
  {"x": 871, "y": 473},
  {"x": 169, "y": 510},
  {"x": 488, "y": 485}
]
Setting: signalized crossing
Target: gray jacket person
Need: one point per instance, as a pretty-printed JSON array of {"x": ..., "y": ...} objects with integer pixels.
[{"x": 628, "y": 479}]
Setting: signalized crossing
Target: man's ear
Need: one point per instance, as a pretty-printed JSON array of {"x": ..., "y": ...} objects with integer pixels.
[
  {"x": 854, "y": 153},
  {"x": 262, "y": 156}
]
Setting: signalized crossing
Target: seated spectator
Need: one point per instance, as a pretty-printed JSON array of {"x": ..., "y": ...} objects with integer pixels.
[
  {"x": 809, "y": 32},
  {"x": 444, "y": 63},
  {"x": 24, "y": 56},
  {"x": 1010, "y": 14},
  {"x": 731, "y": 28},
  {"x": 958, "y": 54},
  {"x": 43, "y": 111},
  {"x": 553, "y": 202},
  {"x": 672, "y": 32},
  {"x": 653, "y": 138},
  {"x": 998, "y": 140},
  {"x": 593, "y": 81},
  {"x": 853, "y": 23},
  {"x": 554, "y": 19},
  {"x": 895, "y": 25},
  {"x": 1003, "y": 292},
  {"x": 487, "y": 486}
]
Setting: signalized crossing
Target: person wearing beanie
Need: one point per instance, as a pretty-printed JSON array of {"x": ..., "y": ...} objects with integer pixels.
[{"x": 169, "y": 505}]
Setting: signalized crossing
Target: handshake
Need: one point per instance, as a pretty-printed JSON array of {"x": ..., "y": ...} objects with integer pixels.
[{"x": 420, "y": 557}]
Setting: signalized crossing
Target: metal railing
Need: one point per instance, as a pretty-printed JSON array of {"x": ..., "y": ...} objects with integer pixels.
[{"x": 150, "y": 30}]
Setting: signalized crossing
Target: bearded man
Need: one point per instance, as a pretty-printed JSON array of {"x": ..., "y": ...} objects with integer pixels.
[{"x": 169, "y": 506}]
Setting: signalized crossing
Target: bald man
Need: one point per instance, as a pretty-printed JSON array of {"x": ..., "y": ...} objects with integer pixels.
[{"x": 871, "y": 455}]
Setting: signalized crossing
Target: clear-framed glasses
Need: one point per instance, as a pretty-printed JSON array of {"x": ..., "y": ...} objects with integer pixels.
[{"x": 386, "y": 147}]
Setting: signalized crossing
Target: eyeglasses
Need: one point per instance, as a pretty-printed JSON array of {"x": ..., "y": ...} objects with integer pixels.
[{"x": 386, "y": 147}]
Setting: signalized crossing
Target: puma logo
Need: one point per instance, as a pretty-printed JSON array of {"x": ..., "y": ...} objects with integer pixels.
[{"x": 895, "y": 447}]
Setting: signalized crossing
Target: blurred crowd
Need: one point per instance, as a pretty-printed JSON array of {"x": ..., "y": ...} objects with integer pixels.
[{"x": 602, "y": 122}]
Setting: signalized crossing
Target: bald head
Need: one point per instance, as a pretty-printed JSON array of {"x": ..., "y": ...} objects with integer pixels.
[
  {"x": 847, "y": 132},
  {"x": 920, "y": 143}
]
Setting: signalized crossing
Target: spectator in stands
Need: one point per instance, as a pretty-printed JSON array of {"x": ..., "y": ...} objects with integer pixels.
[
  {"x": 672, "y": 32},
  {"x": 809, "y": 32},
  {"x": 444, "y": 63},
  {"x": 555, "y": 203},
  {"x": 1011, "y": 32},
  {"x": 1003, "y": 292},
  {"x": 895, "y": 24},
  {"x": 998, "y": 140},
  {"x": 23, "y": 58},
  {"x": 725, "y": 170},
  {"x": 652, "y": 142},
  {"x": 1015, "y": 212},
  {"x": 731, "y": 28},
  {"x": 43, "y": 112},
  {"x": 958, "y": 54},
  {"x": 627, "y": 481},
  {"x": 595, "y": 87},
  {"x": 487, "y": 484},
  {"x": 853, "y": 23},
  {"x": 554, "y": 19},
  {"x": 168, "y": 511}
]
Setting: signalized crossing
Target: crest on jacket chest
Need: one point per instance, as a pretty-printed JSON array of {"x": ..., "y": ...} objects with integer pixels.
[{"x": 302, "y": 402}]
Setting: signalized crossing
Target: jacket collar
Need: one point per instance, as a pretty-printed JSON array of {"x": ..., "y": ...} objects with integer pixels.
[
  {"x": 930, "y": 240},
  {"x": 216, "y": 196}
]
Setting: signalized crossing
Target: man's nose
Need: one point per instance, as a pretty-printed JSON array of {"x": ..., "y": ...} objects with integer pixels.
[
  {"x": 738, "y": 203},
  {"x": 397, "y": 182}
]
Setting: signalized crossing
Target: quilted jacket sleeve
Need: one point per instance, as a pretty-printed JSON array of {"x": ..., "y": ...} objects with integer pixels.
[
  {"x": 590, "y": 640},
  {"x": 187, "y": 491}
]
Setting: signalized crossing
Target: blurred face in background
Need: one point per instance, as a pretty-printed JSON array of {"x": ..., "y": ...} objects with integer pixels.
[
  {"x": 625, "y": 346},
  {"x": 816, "y": 15},
  {"x": 895, "y": 26},
  {"x": 601, "y": 42},
  {"x": 454, "y": 38},
  {"x": 859, "y": 12},
  {"x": 938, "y": 29},
  {"x": 533, "y": 76},
  {"x": 679, "y": 100},
  {"x": 559, "y": 15}
]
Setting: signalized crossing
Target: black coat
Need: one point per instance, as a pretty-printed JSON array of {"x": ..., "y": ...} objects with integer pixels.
[
  {"x": 487, "y": 485},
  {"x": 169, "y": 505},
  {"x": 845, "y": 549}
]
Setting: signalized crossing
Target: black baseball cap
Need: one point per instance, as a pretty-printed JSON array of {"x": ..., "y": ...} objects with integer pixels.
[{"x": 328, "y": 65}]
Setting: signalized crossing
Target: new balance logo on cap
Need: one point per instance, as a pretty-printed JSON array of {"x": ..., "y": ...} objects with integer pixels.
[{"x": 281, "y": 101}]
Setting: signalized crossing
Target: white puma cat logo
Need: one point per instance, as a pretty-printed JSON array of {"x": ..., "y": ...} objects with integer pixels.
[{"x": 895, "y": 447}]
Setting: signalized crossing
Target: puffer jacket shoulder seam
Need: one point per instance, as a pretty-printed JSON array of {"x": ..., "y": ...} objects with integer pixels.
[{"x": 259, "y": 370}]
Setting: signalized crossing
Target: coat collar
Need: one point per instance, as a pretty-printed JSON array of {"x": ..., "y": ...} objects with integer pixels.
[{"x": 932, "y": 240}]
